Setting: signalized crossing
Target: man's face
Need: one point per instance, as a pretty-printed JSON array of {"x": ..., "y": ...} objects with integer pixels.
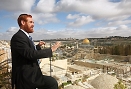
[{"x": 29, "y": 24}]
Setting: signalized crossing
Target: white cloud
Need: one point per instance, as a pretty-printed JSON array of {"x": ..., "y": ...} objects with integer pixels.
[
  {"x": 67, "y": 5},
  {"x": 97, "y": 8},
  {"x": 45, "y": 6},
  {"x": 125, "y": 7},
  {"x": 9, "y": 33},
  {"x": 81, "y": 21},
  {"x": 16, "y": 5},
  {"x": 81, "y": 34},
  {"x": 12, "y": 29},
  {"x": 41, "y": 18},
  {"x": 105, "y": 10},
  {"x": 122, "y": 30},
  {"x": 123, "y": 27},
  {"x": 117, "y": 23},
  {"x": 116, "y": 16},
  {"x": 70, "y": 16}
]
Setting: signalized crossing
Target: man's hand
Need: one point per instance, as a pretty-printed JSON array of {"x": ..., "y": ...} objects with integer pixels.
[
  {"x": 55, "y": 46},
  {"x": 41, "y": 43}
]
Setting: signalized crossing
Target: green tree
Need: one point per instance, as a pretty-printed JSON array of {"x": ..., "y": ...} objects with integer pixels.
[{"x": 119, "y": 85}]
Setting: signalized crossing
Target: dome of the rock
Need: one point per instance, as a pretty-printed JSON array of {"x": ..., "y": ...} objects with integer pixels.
[{"x": 86, "y": 41}]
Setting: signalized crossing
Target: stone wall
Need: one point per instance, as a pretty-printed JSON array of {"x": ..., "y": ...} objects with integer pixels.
[
  {"x": 98, "y": 56},
  {"x": 58, "y": 63},
  {"x": 87, "y": 64},
  {"x": 117, "y": 58}
]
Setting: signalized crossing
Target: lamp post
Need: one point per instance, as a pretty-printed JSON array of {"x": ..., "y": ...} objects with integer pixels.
[{"x": 50, "y": 61}]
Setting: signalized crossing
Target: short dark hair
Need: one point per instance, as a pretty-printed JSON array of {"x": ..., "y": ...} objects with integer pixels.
[{"x": 22, "y": 17}]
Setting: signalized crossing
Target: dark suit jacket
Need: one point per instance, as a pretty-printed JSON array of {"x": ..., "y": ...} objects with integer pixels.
[{"x": 26, "y": 73}]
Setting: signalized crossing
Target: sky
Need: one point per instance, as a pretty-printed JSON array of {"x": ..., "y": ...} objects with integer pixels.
[{"x": 78, "y": 19}]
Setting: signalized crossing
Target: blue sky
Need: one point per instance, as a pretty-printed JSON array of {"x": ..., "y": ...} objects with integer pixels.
[{"x": 68, "y": 18}]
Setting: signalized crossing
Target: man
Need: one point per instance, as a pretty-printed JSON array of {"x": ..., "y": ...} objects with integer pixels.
[{"x": 26, "y": 73}]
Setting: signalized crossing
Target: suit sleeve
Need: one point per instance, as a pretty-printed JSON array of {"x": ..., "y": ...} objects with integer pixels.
[
  {"x": 38, "y": 47},
  {"x": 23, "y": 47}
]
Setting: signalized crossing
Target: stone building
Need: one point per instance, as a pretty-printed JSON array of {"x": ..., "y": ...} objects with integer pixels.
[
  {"x": 5, "y": 56},
  {"x": 74, "y": 87},
  {"x": 104, "y": 81}
]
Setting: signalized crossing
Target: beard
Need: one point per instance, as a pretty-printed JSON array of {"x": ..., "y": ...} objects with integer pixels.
[{"x": 29, "y": 29}]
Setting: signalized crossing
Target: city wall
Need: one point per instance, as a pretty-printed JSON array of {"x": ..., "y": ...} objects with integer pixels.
[
  {"x": 87, "y": 64},
  {"x": 117, "y": 58}
]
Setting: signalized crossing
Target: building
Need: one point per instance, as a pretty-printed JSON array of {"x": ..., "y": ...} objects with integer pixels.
[{"x": 104, "y": 81}]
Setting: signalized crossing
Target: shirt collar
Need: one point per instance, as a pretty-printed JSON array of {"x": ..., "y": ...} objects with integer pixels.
[{"x": 25, "y": 32}]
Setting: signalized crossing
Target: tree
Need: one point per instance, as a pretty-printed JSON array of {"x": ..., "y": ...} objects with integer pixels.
[{"x": 119, "y": 85}]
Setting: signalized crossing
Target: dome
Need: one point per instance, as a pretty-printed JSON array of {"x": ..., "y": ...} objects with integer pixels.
[
  {"x": 104, "y": 81},
  {"x": 74, "y": 87},
  {"x": 86, "y": 41}
]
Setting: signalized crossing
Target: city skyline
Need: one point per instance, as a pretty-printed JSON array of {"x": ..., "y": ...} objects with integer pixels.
[{"x": 68, "y": 18}]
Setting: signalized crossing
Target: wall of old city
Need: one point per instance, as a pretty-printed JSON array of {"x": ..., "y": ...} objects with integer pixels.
[
  {"x": 87, "y": 64},
  {"x": 118, "y": 58}
]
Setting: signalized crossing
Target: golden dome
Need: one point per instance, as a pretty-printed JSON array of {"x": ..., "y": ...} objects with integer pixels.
[{"x": 86, "y": 41}]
